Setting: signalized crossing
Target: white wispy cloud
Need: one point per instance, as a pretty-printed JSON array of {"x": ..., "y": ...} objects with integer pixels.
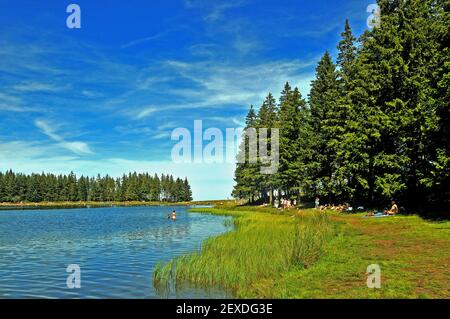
[
  {"x": 227, "y": 120},
  {"x": 148, "y": 82},
  {"x": 90, "y": 94},
  {"x": 240, "y": 84},
  {"x": 12, "y": 103},
  {"x": 245, "y": 46},
  {"x": 219, "y": 9},
  {"x": 167, "y": 125},
  {"x": 21, "y": 149},
  {"x": 214, "y": 10},
  {"x": 145, "y": 112},
  {"x": 146, "y": 39},
  {"x": 9, "y": 98},
  {"x": 37, "y": 87},
  {"x": 161, "y": 135},
  {"x": 172, "y": 28},
  {"x": 79, "y": 148},
  {"x": 215, "y": 85},
  {"x": 158, "y": 132},
  {"x": 31, "y": 57},
  {"x": 204, "y": 49},
  {"x": 12, "y": 108}
]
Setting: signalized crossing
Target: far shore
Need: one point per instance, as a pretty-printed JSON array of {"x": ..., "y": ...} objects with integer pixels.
[{"x": 90, "y": 204}]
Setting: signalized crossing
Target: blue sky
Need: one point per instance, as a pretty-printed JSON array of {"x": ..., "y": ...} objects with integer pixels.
[{"x": 105, "y": 98}]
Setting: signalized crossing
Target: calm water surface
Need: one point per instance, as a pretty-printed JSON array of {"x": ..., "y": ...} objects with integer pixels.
[{"x": 116, "y": 249}]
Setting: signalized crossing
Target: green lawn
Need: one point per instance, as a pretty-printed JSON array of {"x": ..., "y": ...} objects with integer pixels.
[{"x": 306, "y": 254}]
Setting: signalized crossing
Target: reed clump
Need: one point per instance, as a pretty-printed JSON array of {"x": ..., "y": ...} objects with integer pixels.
[{"x": 262, "y": 245}]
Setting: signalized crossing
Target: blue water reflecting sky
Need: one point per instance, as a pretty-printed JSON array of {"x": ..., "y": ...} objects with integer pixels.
[{"x": 116, "y": 249}]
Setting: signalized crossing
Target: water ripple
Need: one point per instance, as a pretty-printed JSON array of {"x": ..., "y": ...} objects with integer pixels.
[{"x": 115, "y": 247}]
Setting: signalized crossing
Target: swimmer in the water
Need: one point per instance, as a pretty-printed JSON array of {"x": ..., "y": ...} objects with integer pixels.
[{"x": 174, "y": 215}]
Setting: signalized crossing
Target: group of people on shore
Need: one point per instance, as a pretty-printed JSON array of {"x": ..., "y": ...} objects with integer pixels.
[
  {"x": 338, "y": 208},
  {"x": 347, "y": 208},
  {"x": 287, "y": 203},
  {"x": 284, "y": 203}
]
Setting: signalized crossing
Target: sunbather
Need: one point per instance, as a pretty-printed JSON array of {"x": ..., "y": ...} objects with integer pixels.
[{"x": 393, "y": 210}]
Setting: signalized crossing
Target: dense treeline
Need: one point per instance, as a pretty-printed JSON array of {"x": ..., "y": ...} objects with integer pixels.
[
  {"x": 376, "y": 124},
  {"x": 16, "y": 188}
]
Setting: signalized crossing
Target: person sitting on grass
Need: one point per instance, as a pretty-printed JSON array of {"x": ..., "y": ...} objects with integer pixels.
[{"x": 393, "y": 210}]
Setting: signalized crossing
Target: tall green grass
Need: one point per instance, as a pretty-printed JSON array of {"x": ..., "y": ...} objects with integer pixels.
[{"x": 261, "y": 246}]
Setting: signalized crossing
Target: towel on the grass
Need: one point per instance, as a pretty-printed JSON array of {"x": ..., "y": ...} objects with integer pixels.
[{"x": 378, "y": 215}]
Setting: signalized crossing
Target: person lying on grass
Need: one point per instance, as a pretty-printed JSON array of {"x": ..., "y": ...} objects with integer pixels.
[{"x": 391, "y": 212}]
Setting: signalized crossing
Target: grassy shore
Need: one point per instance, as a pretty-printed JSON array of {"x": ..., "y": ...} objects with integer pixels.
[
  {"x": 83, "y": 204},
  {"x": 306, "y": 254}
]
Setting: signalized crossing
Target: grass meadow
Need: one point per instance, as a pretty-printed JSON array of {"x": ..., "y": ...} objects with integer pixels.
[{"x": 310, "y": 254}]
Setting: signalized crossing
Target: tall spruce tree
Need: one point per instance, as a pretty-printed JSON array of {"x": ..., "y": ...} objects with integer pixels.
[
  {"x": 291, "y": 104},
  {"x": 246, "y": 183},
  {"x": 349, "y": 117},
  {"x": 346, "y": 56},
  {"x": 328, "y": 125},
  {"x": 391, "y": 98},
  {"x": 267, "y": 118},
  {"x": 438, "y": 181}
]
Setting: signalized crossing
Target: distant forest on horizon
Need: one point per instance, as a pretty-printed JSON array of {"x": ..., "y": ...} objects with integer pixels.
[{"x": 18, "y": 187}]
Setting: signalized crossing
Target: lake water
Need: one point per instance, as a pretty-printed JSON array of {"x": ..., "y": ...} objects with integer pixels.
[{"x": 116, "y": 249}]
